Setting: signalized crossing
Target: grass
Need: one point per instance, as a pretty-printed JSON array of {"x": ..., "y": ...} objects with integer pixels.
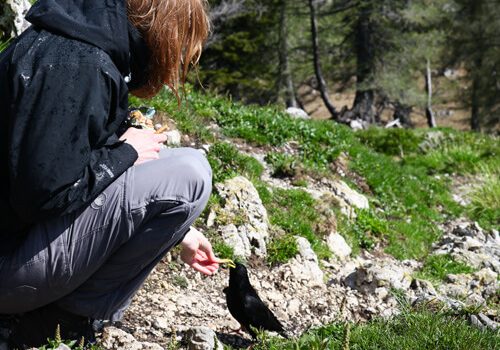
[
  {"x": 365, "y": 231},
  {"x": 4, "y": 44},
  {"x": 411, "y": 330},
  {"x": 408, "y": 171},
  {"x": 437, "y": 267},
  {"x": 227, "y": 162},
  {"x": 295, "y": 213},
  {"x": 282, "y": 249},
  {"x": 485, "y": 203}
]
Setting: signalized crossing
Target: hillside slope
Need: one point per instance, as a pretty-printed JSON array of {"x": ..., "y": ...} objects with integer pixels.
[{"x": 376, "y": 239}]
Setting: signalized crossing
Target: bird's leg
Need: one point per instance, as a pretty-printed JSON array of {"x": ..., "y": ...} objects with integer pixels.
[{"x": 239, "y": 331}]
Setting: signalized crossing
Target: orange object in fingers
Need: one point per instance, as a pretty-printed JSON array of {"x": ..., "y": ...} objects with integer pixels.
[{"x": 162, "y": 129}]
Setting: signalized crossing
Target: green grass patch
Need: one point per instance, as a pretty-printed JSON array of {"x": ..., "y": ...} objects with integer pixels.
[
  {"x": 393, "y": 142},
  {"x": 294, "y": 212},
  {"x": 406, "y": 170},
  {"x": 437, "y": 267},
  {"x": 364, "y": 231},
  {"x": 485, "y": 203},
  {"x": 227, "y": 162},
  {"x": 283, "y": 165},
  {"x": 415, "y": 330},
  {"x": 281, "y": 249}
]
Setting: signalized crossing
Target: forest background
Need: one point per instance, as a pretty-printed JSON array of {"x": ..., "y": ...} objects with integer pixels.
[{"x": 431, "y": 62}]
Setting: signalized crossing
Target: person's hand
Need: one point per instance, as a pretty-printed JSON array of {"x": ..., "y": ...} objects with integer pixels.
[
  {"x": 146, "y": 142},
  {"x": 197, "y": 252}
]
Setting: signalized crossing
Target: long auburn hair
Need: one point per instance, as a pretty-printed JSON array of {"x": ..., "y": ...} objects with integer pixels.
[{"x": 174, "y": 31}]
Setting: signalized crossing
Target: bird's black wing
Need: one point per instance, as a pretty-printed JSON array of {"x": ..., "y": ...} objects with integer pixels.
[{"x": 259, "y": 315}]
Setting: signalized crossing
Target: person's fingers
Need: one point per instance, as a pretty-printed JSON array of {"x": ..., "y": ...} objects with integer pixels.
[
  {"x": 160, "y": 138},
  {"x": 203, "y": 269},
  {"x": 207, "y": 249}
]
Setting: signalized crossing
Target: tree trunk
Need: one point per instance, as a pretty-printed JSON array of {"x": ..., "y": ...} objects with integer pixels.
[
  {"x": 402, "y": 112},
  {"x": 317, "y": 66},
  {"x": 363, "y": 102},
  {"x": 475, "y": 118},
  {"x": 285, "y": 78},
  {"x": 429, "y": 113}
]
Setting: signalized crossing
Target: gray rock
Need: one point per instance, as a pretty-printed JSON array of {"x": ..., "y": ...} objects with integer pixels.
[
  {"x": 173, "y": 137},
  {"x": 475, "y": 322},
  {"x": 356, "y": 124},
  {"x": 63, "y": 347},
  {"x": 151, "y": 346},
  {"x": 338, "y": 246},
  {"x": 488, "y": 322},
  {"x": 293, "y": 306},
  {"x": 12, "y": 19},
  {"x": 203, "y": 338},
  {"x": 348, "y": 198},
  {"x": 236, "y": 239},
  {"x": 304, "y": 267},
  {"x": 3, "y": 345},
  {"x": 117, "y": 339},
  {"x": 248, "y": 224},
  {"x": 423, "y": 287},
  {"x": 161, "y": 323},
  {"x": 297, "y": 113},
  {"x": 369, "y": 277}
]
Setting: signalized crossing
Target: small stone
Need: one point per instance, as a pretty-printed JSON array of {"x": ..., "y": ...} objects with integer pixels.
[
  {"x": 203, "y": 338},
  {"x": 151, "y": 346},
  {"x": 486, "y": 276},
  {"x": 173, "y": 138},
  {"x": 297, "y": 113},
  {"x": 63, "y": 347},
  {"x": 338, "y": 246},
  {"x": 356, "y": 125},
  {"x": 488, "y": 322},
  {"x": 470, "y": 243},
  {"x": 348, "y": 198},
  {"x": 117, "y": 339},
  {"x": 161, "y": 323},
  {"x": 381, "y": 293},
  {"x": 475, "y": 322},
  {"x": 211, "y": 218},
  {"x": 423, "y": 287},
  {"x": 293, "y": 306}
]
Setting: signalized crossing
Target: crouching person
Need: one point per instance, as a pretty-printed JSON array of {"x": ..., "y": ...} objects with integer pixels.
[{"x": 87, "y": 213}]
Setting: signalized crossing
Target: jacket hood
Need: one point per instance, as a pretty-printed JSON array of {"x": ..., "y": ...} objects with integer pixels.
[{"x": 102, "y": 23}]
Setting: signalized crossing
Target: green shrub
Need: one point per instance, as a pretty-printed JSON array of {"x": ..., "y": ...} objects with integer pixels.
[
  {"x": 281, "y": 249},
  {"x": 283, "y": 165}
]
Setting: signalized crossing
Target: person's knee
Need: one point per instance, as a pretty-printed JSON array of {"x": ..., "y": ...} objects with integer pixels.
[{"x": 195, "y": 171}]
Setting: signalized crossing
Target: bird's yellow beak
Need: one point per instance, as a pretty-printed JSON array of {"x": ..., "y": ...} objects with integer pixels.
[{"x": 229, "y": 262}]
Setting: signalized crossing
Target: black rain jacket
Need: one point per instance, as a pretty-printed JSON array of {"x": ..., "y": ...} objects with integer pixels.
[{"x": 63, "y": 97}]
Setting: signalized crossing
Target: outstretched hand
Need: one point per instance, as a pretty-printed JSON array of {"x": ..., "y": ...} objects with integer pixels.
[{"x": 197, "y": 252}]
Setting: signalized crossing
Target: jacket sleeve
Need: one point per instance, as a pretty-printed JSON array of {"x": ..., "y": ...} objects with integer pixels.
[{"x": 63, "y": 150}]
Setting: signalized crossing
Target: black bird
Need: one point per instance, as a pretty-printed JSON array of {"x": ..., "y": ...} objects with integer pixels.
[{"x": 246, "y": 306}]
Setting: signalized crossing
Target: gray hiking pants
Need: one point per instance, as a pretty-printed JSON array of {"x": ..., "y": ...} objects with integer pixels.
[{"x": 93, "y": 261}]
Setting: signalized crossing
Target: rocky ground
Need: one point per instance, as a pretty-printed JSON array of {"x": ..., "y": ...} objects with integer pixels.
[{"x": 179, "y": 307}]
